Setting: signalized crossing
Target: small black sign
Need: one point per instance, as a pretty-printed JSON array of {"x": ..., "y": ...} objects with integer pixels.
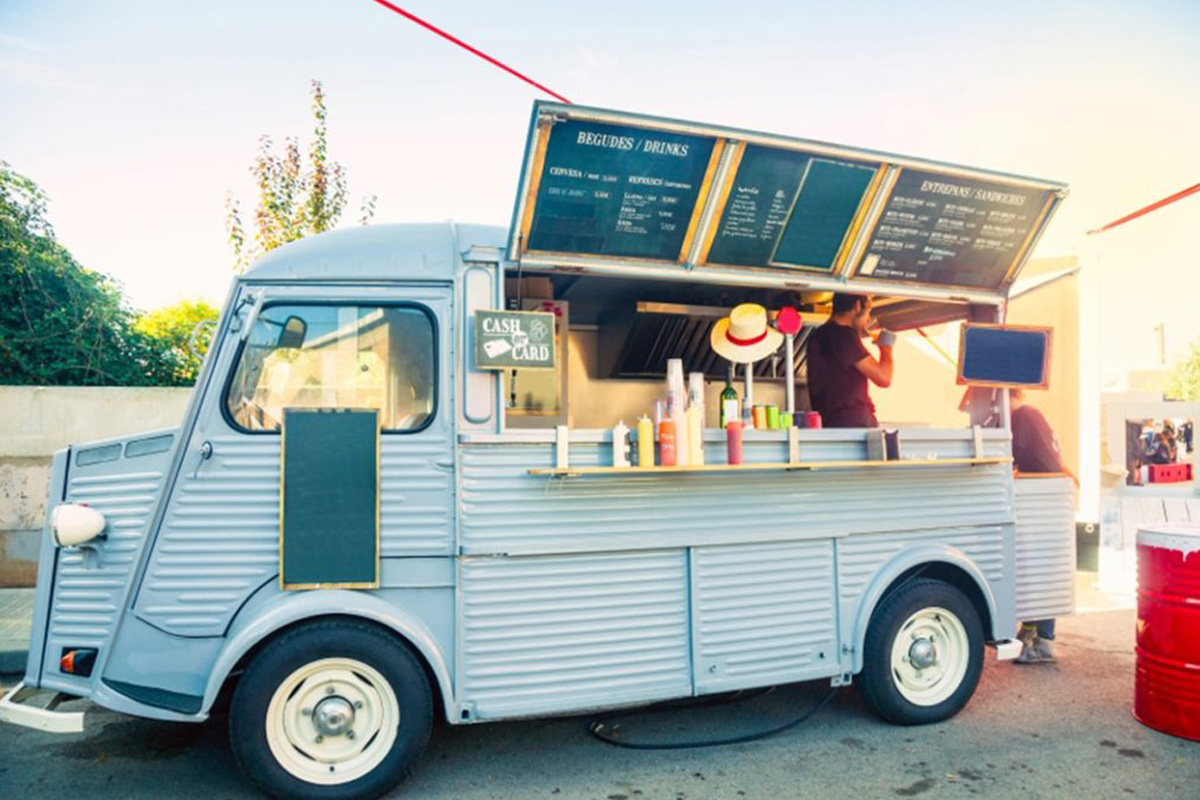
[
  {"x": 995, "y": 355},
  {"x": 617, "y": 190},
  {"x": 952, "y": 231},
  {"x": 514, "y": 340}
]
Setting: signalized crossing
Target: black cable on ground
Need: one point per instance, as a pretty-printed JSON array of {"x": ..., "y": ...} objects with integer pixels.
[{"x": 605, "y": 730}]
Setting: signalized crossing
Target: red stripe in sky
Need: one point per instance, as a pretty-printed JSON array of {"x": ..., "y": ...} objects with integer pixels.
[
  {"x": 1166, "y": 201},
  {"x": 409, "y": 15}
]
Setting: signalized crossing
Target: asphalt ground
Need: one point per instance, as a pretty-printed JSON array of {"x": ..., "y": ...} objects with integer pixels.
[{"x": 1038, "y": 731}]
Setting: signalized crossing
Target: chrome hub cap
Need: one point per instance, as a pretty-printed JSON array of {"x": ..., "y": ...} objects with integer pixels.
[
  {"x": 922, "y": 654},
  {"x": 333, "y": 716}
]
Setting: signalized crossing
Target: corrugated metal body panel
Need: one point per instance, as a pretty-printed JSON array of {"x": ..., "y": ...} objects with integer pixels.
[
  {"x": 505, "y": 510},
  {"x": 860, "y": 557},
  {"x": 90, "y": 583},
  {"x": 1045, "y": 577},
  {"x": 417, "y": 495},
  {"x": 220, "y": 539},
  {"x": 551, "y": 634},
  {"x": 763, "y": 614}
]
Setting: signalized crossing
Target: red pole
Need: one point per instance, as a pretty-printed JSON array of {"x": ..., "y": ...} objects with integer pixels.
[
  {"x": 413, "y": 17},
  {"x": 1166, "y": 201}
]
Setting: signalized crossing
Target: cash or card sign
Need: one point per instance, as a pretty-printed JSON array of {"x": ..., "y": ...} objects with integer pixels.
[{"x": 514, "y": 340}]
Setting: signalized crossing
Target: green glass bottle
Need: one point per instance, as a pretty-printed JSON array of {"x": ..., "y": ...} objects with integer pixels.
[{"x": 730, "y": 411}]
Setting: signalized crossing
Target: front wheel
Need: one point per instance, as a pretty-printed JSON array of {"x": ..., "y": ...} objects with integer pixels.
[
  {"x": 923, "y": 654},
  {"x": 331, "y": 711}
]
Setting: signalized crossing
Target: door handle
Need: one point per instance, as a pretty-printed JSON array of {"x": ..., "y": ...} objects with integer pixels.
[{"x": 446, "y": 465}]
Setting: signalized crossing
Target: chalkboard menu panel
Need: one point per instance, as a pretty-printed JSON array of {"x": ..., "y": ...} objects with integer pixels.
[
  {"x": 1003, "y": 356},
  {"x": 759, "y": 202},
  {"x": 828, "y": 201},
  {"x": 943, "y": 229},
  {"x": 617, "y": 190},
  {"x": 330, "y": 523}
]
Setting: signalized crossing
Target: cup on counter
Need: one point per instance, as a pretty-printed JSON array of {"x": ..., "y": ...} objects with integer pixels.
[
  {"x": 786, "y": 420},
  {"x": 812, "y": 419},
  {"x": 760, "y": 418},
  {"x": 773, "y": 418},
  {"x": 733, "y": 439}
]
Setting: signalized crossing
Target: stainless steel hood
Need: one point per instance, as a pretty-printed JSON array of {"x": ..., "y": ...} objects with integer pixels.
[{"x": 637, "y": 342}]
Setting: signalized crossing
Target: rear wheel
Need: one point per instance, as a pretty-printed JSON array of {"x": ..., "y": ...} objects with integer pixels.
[
  {"x": 923, "y": 654},
  {"x": 331, "y": 711}
]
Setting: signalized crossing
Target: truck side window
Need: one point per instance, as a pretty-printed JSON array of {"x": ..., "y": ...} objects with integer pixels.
[{"x": 333, "y": 356}]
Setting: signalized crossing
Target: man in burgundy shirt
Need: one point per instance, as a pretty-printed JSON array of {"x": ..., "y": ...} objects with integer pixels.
[
  {"x": 839, "y": 365},
  {"x": 1034, "y": 449}
]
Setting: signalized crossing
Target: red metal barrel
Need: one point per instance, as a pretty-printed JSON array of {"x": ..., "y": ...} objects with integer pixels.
[{"x": 1167, "y": 679}]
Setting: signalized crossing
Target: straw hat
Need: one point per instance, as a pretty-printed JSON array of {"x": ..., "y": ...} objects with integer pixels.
[{"x": 744, "y": 335}]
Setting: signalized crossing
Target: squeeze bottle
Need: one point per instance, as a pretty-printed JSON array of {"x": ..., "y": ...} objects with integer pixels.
[
  {"x": 666, "y": 442},
  {"x": 620, "y": 445},
  {"x": 645, "y": 443}
]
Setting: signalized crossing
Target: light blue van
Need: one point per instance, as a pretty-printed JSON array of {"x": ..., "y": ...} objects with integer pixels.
[{"x": 511, "y": 584}]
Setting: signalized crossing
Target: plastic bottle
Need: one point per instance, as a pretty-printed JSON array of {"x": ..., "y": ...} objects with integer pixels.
[
  {"x": 694, "y": 418},
  {"x": 645, "y": 443},
  {"x": 620, "y": 445},
  {"x": 666, "y": 442}
]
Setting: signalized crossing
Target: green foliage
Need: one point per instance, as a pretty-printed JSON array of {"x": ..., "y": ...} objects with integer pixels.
[
  {"x": 1183, "y": 379},
  {"x": 60, "y": 323},
  {"x": 183, "y": 333},
  {"x": 294, "y": 199}
]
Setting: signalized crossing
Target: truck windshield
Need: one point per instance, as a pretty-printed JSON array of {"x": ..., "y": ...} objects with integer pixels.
[{"x": 336, "y": 356}]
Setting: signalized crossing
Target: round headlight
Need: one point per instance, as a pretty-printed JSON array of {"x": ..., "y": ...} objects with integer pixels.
[{"x": 73, "y": 524}]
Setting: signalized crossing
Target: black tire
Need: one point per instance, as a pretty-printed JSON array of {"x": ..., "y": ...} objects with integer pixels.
[
  {"x": 305, "y": 645},
  {"x": 884, "y": 688}
]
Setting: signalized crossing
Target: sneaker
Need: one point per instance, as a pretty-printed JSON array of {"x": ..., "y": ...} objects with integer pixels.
[
  {"x": 1045, "y": 651},
  {"x": 1029, "y": 654}
]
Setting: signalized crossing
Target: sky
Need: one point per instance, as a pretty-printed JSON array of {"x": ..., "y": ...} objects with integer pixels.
[{"x": 137, "y": 118}]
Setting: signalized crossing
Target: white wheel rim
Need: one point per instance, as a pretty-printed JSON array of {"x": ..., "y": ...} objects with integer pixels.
[
  {"x": 929, "y": 656},
  {"x": 299, "y": 732}
]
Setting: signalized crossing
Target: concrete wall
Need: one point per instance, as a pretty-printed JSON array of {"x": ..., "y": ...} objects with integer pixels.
[{"x": 37, "y": 420}]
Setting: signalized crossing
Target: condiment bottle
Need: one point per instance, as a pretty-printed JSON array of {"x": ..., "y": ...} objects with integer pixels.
[
  {"x": 645, "y": 442},
  {"x": 620, "y": 445},
  {"x": 666, "y": 441},
  {"x": 733, "y": 439},
  {"x": 694, "y": 418}
]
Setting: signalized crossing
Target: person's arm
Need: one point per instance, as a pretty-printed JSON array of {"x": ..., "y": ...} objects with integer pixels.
[{"x": 879, "y": 370}]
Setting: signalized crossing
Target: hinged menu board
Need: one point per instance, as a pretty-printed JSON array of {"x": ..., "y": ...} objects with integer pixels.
[
  {"x": 329, "y": 503},
  {"x": 953, "y": 231},
  {"x": 616, "y": 191},
  {"x": 1004, "y": 355}
]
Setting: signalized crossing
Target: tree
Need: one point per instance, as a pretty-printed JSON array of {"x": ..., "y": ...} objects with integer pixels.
[
  {"x": 1183, "y": 379},
  {"x": 60, "y": 323},
  {"x": 182, "y": 334},
  {"x": 294, "y": 200}
]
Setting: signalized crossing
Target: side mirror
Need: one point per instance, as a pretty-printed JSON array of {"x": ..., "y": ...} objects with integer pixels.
[{"x": 292, "y": 335}]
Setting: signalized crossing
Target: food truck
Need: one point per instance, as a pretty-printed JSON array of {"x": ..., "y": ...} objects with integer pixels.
[{"x": 403, "y": 488}]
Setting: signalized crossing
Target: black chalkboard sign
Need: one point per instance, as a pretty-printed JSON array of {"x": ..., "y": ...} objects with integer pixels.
[
  {"x": 952, "y": 231},
  {"x": 758, "y": 206},
  {"x": 829, "y": 199},
  {"x": 329, "y": 525},
  {"x": 1004, "y": 355},
  {"x": 617, "y": 190}
]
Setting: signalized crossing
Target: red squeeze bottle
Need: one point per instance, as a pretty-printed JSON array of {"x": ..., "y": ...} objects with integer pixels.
[
  {"x": 666, "y": 442},
  {"x": 733, "y": 438}
]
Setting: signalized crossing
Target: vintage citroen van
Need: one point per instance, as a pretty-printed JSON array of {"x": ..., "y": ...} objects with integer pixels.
[{"x": 516, "y": 572}]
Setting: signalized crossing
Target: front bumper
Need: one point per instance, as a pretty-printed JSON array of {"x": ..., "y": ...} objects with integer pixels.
[{"x": 14, "y": 709}]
